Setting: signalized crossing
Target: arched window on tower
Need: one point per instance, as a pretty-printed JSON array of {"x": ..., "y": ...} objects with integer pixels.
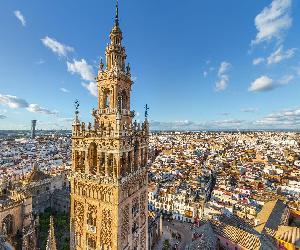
[
  {"x": 93, "y": 158},
  {"x": 124, "y": 99},
  {"x": 120, "y": 102},
  {"x": 91, "y": 243},
  {"x": 102, "y": 163},
  {"x": 7, "y": 225},
  {"x": 110, "y": 164},
  {"x": 123, "y": 165},
  {"x": 136, "y": 155},
  {"x": 91, "y": 218},
  {"x": 79, "y": 161},
  {"x": 128, "y": 170},
  {"x": 142, "y": 156},
  {"x": 106, "y": 99}
]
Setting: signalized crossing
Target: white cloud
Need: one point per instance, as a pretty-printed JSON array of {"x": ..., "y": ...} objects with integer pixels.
[
  {"x": 224, "y": 67},
  {"x": 34, "y": 108},
  {"x": 40, "y": 61},
  {"x": 297, "y": 69},
  {"x": 20, "y": 16},
  {"x": 56, "y": 47},
  {"x": 286, "y": 79},
  {"x": 263, "y": 83},
  {"x": 82, "y": 68},
  {"x": 232, "y": 123},
  {"x": 66, "y": 119},
  {"x": 64, "y": 90},
  {"x": 279, "y": 55},
  {"x": 286, "y": 119},
  {"x": 225, "y": 113},
  {"x": 207, "y": 71},
  {"x": 91, "y": 87},
  {"x": 174, "y": 125},
  {"x": 273, "y": 21},
  {"x": 258, "y": 60},
  {"x": 190, "y": 125},
  {"x": 222, "y": 82},
  {"x": 14, "y": 102},
  {"x": 250, "y": 110}
]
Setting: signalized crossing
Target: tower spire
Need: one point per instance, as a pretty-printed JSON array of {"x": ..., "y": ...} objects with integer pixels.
[
  {"x": 51, "y": 242},
  {"x": 117, "y": 14}
]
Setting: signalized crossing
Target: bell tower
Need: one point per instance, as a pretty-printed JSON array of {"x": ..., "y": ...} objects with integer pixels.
[{"x": 109, "y": 206}]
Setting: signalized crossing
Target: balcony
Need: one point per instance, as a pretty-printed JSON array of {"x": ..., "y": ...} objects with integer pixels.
[
  {"x": 91, "y": 229},
  {"x": 109, "y": 111}
]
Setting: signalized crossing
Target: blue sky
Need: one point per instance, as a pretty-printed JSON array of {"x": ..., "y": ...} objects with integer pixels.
[{"x": 197, "y": 64}]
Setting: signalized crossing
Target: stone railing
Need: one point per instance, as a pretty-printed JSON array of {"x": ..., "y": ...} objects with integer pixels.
[
  {"x": 95, "y": 178},
  {"x": 109, "y": 111},
  {"x": 131, "y": 175}
]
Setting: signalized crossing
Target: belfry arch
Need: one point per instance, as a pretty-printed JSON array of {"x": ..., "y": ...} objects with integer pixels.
[
  {"x": 8, "y": 224},
  {"x": 92, "y": 158}
]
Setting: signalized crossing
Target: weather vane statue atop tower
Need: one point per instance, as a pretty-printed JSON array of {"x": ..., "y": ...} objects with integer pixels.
[
  {"x": 117, "y": 14},
  {"x": 76, "y": 105},
  {"x": 146, "y": 111}
]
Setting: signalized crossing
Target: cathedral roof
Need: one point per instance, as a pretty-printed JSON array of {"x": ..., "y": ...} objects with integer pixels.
[
  {"x": 207, "y": 239},
  {"x": 289, "y": 234},
  {"x": 241, "y": 233}
]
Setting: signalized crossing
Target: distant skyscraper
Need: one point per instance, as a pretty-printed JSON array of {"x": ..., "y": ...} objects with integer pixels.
[{"x": 33, "y": 124}]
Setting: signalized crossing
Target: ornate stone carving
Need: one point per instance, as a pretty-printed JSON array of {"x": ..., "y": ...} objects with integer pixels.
[
  {"x": 106, "y": 228},
  {"x": 143, "y": 207},
  {"x": 125, "y": 225}
]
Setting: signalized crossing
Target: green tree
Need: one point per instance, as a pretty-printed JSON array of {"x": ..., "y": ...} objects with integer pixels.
[{"x": 166, "y": 245}]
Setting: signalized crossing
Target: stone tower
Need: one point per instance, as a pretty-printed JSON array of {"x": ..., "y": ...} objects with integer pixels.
[
  {"x": 33, "y": 125},
  {"x": 109, "y": 163}
]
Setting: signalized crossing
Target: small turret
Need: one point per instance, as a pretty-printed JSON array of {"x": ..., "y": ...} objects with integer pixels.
[
  {"x": 51, "y": 242},
  {"x": 76, "y": 122},
  {"x": 101, "y": 65}
]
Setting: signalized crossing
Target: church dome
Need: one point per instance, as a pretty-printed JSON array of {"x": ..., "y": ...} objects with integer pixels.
[{"x": 36, "y": 174}]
